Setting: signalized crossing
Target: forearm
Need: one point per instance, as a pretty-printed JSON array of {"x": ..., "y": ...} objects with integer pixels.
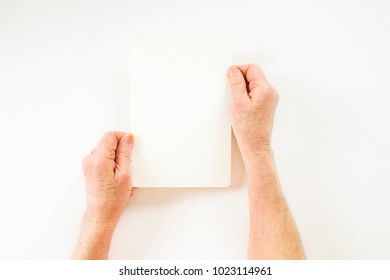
[
  {"x": 94, "y": 239},
  {"x": 273, "y": 232}
]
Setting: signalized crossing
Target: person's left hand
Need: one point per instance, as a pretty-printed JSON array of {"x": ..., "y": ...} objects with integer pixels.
[{"x": 108, "y": 177}]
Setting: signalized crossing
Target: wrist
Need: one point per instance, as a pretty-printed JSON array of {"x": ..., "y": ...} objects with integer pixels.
[
  {"x": 262, "y": 177},
  {"x": 93, "y": 219},
  {"x": 255, "y": 158}
]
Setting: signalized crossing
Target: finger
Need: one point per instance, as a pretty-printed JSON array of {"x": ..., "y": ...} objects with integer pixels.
[
  {"x": 237, "y": 83},
  {"x": 108, "y": 145},
  {"x": 123, "y": 153},
  {"x": 253, "y": 75}
]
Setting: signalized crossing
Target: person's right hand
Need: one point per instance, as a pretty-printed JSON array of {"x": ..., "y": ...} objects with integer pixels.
[
  {"x": 254, "y": 103},
  {"x": 273, "y": 233}
]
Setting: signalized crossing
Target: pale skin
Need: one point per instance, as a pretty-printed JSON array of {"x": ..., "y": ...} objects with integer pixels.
[
  {"x": 108, "y": 186},
  {"x": 273, "y": 232}
]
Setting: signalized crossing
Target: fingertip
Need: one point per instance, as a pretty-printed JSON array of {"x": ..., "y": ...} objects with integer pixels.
[
  {"x": 232, "y": 71},
  {"x": 236, "y": 81},
  {"x": 129, "y": 139},
  {"x": 124, "y": 151}
]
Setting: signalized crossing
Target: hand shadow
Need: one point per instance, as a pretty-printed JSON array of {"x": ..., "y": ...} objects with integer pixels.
[{"x": 144, "y": 196}]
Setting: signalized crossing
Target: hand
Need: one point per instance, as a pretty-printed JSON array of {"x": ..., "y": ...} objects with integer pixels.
[
  {"x": 108, "y": 178},
  {"x": 253, "y": 108},
  {"x": 273, "y": 233}
]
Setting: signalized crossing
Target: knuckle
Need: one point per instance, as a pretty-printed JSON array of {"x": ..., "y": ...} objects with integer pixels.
[
  {"x": 270, "y": 94},
  {"x": 238, "y": 86},
  {"x": 95, "y": 164},
  {"x": 109, "y": 154},
  {"x": 123, "y": 154},
  {"x": 99, "y": 165}
]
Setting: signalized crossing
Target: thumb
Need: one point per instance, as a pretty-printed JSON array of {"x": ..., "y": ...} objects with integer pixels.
[
  {"x": 123, "y": 153},
  {"x": 237, "y": 84}
]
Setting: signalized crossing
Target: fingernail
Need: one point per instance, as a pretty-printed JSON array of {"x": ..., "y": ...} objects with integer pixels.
[
  {"x": 232, "y": 71},
  {"x": 129, "y": 139}
]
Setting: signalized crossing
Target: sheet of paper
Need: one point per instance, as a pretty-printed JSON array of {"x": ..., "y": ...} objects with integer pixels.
[{"x": 179, "y": 113}]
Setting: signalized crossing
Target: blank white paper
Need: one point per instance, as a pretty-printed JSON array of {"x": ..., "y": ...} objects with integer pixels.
[{"x": 179, "y": 113}]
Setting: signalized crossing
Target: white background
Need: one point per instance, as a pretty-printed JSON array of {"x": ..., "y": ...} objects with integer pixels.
[{"x": 64, "y": 80}]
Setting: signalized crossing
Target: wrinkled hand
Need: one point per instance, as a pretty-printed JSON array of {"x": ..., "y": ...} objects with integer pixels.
[
  {"x": 273, "y": 233},
  {"x": 254, "y": 103},
  {"x": 108, "y": 178}
]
